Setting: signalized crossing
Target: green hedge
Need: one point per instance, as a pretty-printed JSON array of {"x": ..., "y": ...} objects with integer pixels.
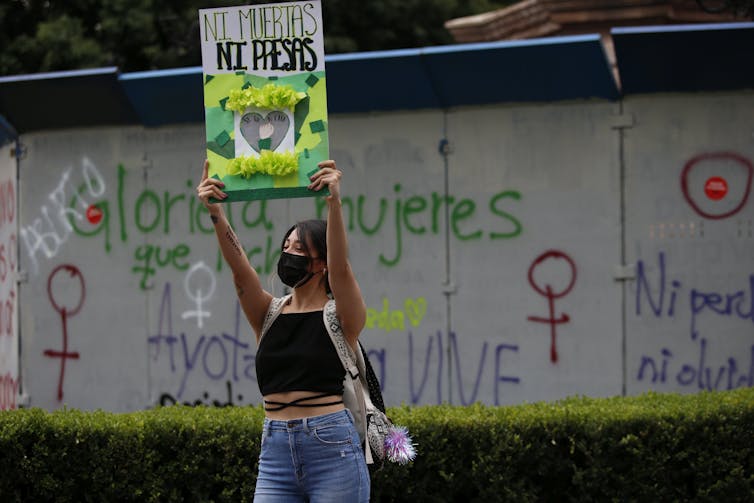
[{"x": 654, "y": 447}]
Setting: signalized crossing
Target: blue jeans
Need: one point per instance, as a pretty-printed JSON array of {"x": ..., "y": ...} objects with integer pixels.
[{"x": 314, "y": 459}]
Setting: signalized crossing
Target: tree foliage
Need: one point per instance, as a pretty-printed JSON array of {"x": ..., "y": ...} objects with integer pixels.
[
  {"x": 137, "y": 35},
  {"x": 743, "y": 8}
]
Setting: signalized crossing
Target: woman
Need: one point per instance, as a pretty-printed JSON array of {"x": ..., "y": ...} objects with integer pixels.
[{"x": 310, "y": 448}]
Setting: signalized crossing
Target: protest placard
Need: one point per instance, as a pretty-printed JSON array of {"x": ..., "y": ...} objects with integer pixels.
[{"x": 265, "y": 98}]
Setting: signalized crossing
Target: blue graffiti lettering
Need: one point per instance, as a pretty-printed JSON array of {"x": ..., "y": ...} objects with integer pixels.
[
  {"x": 189, "y": 361},
  {"x": 377, "y": 359},
  {"x": 498, "y": 378},
  {"x": 498, "y": 365},
  {"x": 482, "y": 359},
  {"x": 216, "y": 356},
  {"x": 416, "y": 397},
  {"x": 700, "y": 375},
  {"x": 734, "y": 304}
]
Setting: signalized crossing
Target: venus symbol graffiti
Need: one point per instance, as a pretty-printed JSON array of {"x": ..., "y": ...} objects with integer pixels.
[
  {"x": 547, "y": 269},
  {"x": 66, "y": 290}
]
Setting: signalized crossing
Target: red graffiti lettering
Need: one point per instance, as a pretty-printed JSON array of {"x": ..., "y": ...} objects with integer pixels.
[
  {"x": 8, "y": 391},
  {"x": 7, "y": 202}
]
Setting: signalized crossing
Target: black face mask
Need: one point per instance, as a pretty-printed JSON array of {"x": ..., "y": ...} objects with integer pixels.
[{"x": 293, "y": 270}]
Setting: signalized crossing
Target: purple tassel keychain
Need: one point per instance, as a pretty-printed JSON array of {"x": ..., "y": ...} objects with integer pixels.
[{"x": 399, "y": 448}]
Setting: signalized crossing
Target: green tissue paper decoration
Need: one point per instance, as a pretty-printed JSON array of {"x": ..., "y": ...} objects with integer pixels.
[
  {"x": 270, "y": 96},
  {"x": 268, "y": 163}
]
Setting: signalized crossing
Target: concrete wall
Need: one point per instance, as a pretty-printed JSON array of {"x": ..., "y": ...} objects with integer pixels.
[
  {"x": 690, "y": 311},
  {"x": 493, "y": 272},
  {"x": 9, "y": 368}
]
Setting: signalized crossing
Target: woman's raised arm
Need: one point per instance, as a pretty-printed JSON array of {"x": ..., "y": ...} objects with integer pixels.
[
  {"x": 349, "y": 301},
  {"x": 253, "y": 298}
]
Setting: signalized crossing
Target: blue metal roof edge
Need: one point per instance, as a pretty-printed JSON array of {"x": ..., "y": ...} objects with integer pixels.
[
  {"x": 506, "y": 44},
  {"x": 156, "y": 74},
  {"x": 630, "y": 30},
  {"x": 454, "y": 48},
  {"x": 89, "y": 72}
]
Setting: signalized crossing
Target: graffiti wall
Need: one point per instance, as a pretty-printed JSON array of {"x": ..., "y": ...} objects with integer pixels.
[
  {"x": 690, "y": 310},
  {"x": 506, "y": 254}
]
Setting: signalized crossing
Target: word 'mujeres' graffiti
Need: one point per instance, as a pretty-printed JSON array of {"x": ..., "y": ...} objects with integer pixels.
[{"x": 421, "y": 214}]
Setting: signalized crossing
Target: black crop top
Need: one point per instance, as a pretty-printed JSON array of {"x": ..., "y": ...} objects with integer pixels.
[{"x": 297, "y": 354}]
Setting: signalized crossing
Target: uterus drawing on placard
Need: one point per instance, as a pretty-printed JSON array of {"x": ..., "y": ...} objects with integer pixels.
[{"x": 258, "y": 129}]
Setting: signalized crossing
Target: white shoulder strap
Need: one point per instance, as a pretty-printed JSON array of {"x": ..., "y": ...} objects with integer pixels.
[
  {"x": 275, "y": 308},
  {"x": 347, "y": 358},
  {"x": 356, "y": 369}
]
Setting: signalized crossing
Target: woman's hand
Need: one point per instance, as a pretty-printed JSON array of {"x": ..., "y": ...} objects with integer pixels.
[
  {"x": 209, "y": 188},
  {"x": 327, "y": 176}
]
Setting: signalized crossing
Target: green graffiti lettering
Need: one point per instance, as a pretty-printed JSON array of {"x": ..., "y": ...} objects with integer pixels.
[
  {"x": 104, "y": 223},
  {"x": 192, "y": 213},
  {"x": 419, "y": 215},
  {"x": 150, "y": 257},
  {"x": 437, "y": 203},
  {"x": 143, "y": 255},
  {"x": 261, "y": 216},
  {"x": 202, "y": 219},
  {"x": 388, "y": 319},
  {"x": 147, "y": 195},
  {"x": 464, "y": 209},
  {"x": 181, "y": 251},
  {"x": 254, "y": 251},
  {"x": 271, "y": 253},
  {"x": 320, "y": 204},
  {"x": 414, "y": 204},
  {"x": 169, "y": 202},
  {"x": 360, "y": 216},
  {"x": 398, "y": 233},
  {"x": 346, "y": 207},
  {"x": 271, "y": 256},
  {"x": 121, "y": 213},
  {"x": 517, "y": 227},
  {"x": 229, "y": 216},
  {"x": 153, "y": 211},
  {"x": 385, "y": 319},
  {"x": 220, "y": 260},
  {"x": 150, "y": 211},
  {"x": 415, "y": 310}
]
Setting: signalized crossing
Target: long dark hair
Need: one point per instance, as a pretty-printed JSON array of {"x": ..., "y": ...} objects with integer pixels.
[{"x": 312, "y": 234}]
